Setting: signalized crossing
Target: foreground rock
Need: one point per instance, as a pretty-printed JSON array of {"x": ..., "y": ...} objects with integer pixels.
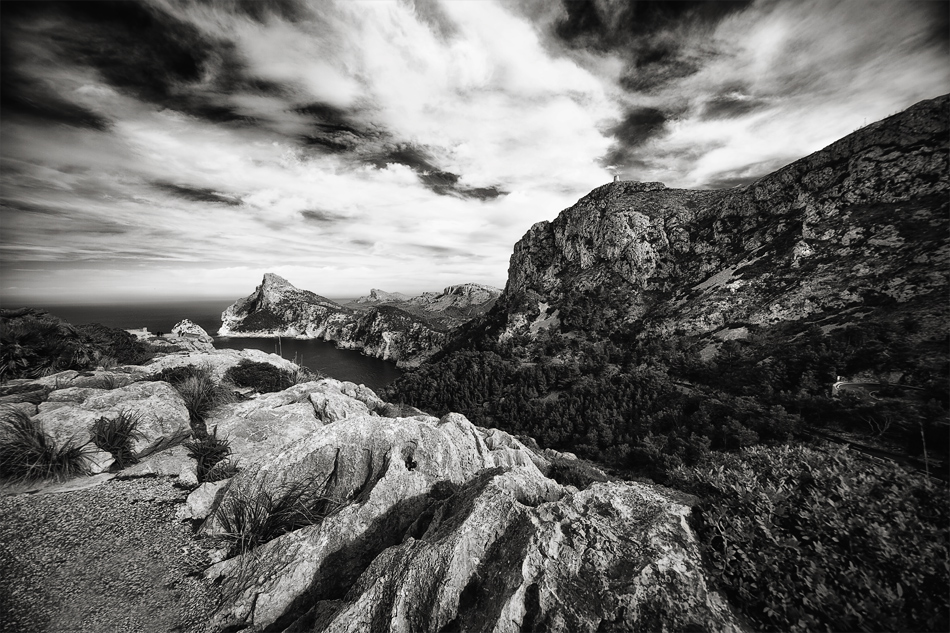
[
  {"x": 426, "y": 524},
  {"x": 160, "y": 412}
]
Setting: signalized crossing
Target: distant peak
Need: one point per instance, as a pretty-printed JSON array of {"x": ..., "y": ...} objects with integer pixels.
[{"x": 270, "y": 279}]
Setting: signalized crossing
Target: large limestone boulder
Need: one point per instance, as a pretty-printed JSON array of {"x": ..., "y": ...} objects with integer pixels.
[
  {"x": 259, "y": 429},
  {"x": 383, "y": 471},
  {"x": 160, "y": 411},
  {"x": 438, "y": 525},
  {"x": 512, "y": 552}
]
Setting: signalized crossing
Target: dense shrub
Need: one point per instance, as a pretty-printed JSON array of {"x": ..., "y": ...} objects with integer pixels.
[
  {"x": 808, "y": 540},
  {"x": 27, "y": 453},
  {"x": 225, "y": 469},
  {"x": 208, "y": 450},
  {"x": 34, "y": 343},
  {"x": 115, "y": 436},
  {"x": 263, "y": 377},
  {"x": 123, "y": 348}
]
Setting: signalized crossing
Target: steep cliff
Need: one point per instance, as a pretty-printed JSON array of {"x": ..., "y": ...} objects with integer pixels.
[
  {"x": 277, "y": 308},
  {"x": 856, "y": 226}
]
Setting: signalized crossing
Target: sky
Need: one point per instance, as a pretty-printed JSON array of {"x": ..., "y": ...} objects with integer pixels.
[{"x": 171, "y": 149}]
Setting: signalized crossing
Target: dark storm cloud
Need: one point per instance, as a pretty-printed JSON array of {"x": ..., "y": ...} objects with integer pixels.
[
  {"x": 604, "y": 25},
  {"x": 196, "y": 194},
  {"x": 138, "y": 49},
  {"x": 639, "y": 126},
  {"x": 647, "y": 34},
  {"x": 329, "y": 118},
  {"x": 321, "y": 216},
  {"x": 442, "y": 182},
  {"x": 20, "y": 95},
  {"x": 333, "y": 129},
  {"x": 432, "y": 14},
  {"x": 262, "y": 11},
  {"x": 730, "y": 104}
]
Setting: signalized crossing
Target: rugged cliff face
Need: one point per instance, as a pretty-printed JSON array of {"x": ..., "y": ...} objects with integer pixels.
[
  {"x": 856, "y": 226},
  {"x": 277, "y": 308}
]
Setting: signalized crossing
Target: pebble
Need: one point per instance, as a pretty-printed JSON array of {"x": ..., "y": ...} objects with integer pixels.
[{"x": 109, "y": 559}]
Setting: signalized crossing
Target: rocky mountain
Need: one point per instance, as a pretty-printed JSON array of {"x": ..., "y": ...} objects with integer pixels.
[
  {"x": 444, "y": 310},
  {"x": 346, "y": 513},
  {"x": 377, "y": 296},
  {"x": 859, "y": 227},
  {"x": 277, "y": 308},
  {"x": 645, "y": 326}
]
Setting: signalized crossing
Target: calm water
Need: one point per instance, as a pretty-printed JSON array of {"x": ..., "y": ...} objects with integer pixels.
[{"x": 162, "y": 317}]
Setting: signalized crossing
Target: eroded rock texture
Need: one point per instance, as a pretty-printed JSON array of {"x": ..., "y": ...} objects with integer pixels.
[{"x": 439, "y": 525}]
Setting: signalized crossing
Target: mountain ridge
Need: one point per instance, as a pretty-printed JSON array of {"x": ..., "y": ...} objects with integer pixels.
[{"x": 387, "y": 327}]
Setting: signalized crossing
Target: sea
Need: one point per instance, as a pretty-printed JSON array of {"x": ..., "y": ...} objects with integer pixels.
[{"x": 319, "y": 356}]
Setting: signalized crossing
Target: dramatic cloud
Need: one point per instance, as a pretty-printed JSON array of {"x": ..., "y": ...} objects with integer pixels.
[{"x": 169, "y": 148}]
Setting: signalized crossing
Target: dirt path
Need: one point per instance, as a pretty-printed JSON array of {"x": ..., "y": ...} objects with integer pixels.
[{"x": 107, "y": 559}]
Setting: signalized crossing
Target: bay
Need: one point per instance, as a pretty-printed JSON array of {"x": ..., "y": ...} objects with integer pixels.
[{"x": 319, "y": 356}]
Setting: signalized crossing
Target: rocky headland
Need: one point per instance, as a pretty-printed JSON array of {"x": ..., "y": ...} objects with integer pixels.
[{"x": 390, "y": 326}]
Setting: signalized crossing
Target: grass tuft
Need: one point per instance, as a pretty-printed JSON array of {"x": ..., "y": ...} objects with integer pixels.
[
  {"x": 208, "y": 450},
  {"x": 225, "y": 469},
  {"x": 115, "y": 435},
  {"x": 199, "y": 391},
  {"x": 252, "y": 517},
  {"x": 28, "y": 454}
]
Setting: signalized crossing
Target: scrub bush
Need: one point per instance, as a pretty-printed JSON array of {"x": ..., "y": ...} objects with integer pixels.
[
  {"x": 813, "y": 540},
  {"x": 263, "y": 377}
]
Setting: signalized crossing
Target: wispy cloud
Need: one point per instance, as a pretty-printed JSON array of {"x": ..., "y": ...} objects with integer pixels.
[{"x": 165, "y": 147}]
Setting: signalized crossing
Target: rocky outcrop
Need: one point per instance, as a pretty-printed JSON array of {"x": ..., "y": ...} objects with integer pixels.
[
  {"x": 430, "y": 524},
  {"x": 856, "y": 225},
  {"x": 277, "y": 308},
  {"x": 160, "y": 412},
  {"x": 218, "y": 362},
  {"x": 188, "y": 332}
]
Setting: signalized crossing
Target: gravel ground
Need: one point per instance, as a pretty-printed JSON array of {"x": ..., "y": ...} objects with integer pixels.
[{"x": 107, "y": 559}]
